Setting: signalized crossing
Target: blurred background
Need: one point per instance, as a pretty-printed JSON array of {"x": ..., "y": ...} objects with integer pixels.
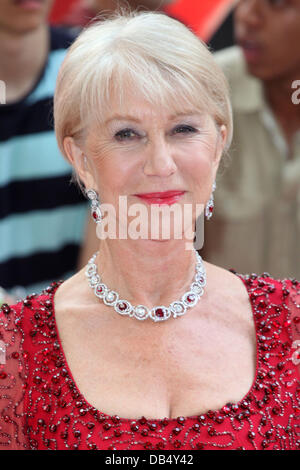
[{"x": 210, "y": 19}]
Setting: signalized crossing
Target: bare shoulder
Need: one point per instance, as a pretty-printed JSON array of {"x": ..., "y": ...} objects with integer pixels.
[
  {"x": 73, "y": 294},
  {"x": 228, "y": 292}
]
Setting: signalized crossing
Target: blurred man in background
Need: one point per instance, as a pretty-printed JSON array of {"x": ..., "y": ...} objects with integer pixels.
[
  {"x": 256, "y": 223},
  {"x": 40, "y": 236}
]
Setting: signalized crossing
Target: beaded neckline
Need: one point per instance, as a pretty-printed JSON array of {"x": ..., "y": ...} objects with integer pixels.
[{"x": 158, "y": 420}]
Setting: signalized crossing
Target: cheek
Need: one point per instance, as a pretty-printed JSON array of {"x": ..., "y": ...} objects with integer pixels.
[
  {"x": 281, "y": 35},
  {"x": 202, "y": 178},
  {"x": 197, "y": 167},
  {"x": 198, "y": 173},
  {"x": 289, "y": 56},
  {"x": 114, "y": 174},
  {"x": 198, "y": 158}
]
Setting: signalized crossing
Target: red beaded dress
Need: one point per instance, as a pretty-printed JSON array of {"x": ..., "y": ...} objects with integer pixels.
[{"x": 42, "y": 408}]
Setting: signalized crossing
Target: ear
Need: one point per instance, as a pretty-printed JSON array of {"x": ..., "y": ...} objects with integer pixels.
[
  {"x": 79, "y": 162},
  {"x": 221, "y": 142}
]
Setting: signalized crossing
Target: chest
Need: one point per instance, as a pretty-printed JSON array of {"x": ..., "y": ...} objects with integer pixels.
[{"x": 180, "y": 371}]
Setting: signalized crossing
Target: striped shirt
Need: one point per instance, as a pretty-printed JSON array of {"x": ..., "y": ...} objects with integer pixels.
[{"x": 42, "y": 215}]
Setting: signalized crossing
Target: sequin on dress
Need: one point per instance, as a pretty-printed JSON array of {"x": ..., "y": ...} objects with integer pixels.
[{"x": 42, "y": 408}]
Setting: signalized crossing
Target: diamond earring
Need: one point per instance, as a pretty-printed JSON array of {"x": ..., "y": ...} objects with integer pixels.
[
  {"x": 95, "y": 205},
  {"x": 209, "y": 208}
]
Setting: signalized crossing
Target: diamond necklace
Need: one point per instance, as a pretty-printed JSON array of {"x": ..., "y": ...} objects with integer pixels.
[{"x": 140, "y": 312}]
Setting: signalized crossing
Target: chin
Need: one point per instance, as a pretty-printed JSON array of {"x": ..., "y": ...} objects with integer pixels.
[
  {"x": 261, "y": 73},
  {"x": 25, "y": 26}
]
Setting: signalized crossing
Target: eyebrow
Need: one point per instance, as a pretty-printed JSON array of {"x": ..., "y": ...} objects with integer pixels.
[
  {"x": 127, "y": 117},
  {"x": 120, "y": 117}
]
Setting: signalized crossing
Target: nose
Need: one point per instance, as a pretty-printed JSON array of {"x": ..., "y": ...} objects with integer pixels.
[
  {"x": 159, "y": 159},
  {"x": 250, "y": 13}
]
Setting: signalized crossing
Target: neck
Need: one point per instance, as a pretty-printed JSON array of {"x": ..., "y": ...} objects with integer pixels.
[
  {"x": 147, "y": 272},
  {"x": 279, "y": 96},
  {"x": 22, "y": 58}
]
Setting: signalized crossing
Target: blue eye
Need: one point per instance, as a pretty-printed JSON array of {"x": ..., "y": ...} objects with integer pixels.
[
  {"x": 184, "y": 129},
  {"x": 125, "y": 134}
]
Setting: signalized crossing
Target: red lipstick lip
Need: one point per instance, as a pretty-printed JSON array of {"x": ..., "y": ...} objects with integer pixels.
[
  {"x": 161, "y": 198},
  {"x": 160, "y": 195}
]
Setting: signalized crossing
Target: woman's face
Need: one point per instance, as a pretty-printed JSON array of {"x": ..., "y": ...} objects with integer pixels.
[{"x": 142, "y": 149}]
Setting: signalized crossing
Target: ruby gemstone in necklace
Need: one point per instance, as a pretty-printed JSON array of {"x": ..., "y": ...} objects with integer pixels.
[{"x": 159, "y": 313}]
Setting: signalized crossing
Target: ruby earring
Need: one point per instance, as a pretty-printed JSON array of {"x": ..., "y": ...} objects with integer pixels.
[
  {"x": 95, "y": 205},
  {"x": 209, "y": 208}
]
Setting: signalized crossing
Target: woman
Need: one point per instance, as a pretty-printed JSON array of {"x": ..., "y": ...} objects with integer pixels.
[{"x": 138, "y": 349}]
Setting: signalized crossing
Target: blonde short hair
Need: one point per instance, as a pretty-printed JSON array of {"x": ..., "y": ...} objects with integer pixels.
[{"x": 157, "y": 55}]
